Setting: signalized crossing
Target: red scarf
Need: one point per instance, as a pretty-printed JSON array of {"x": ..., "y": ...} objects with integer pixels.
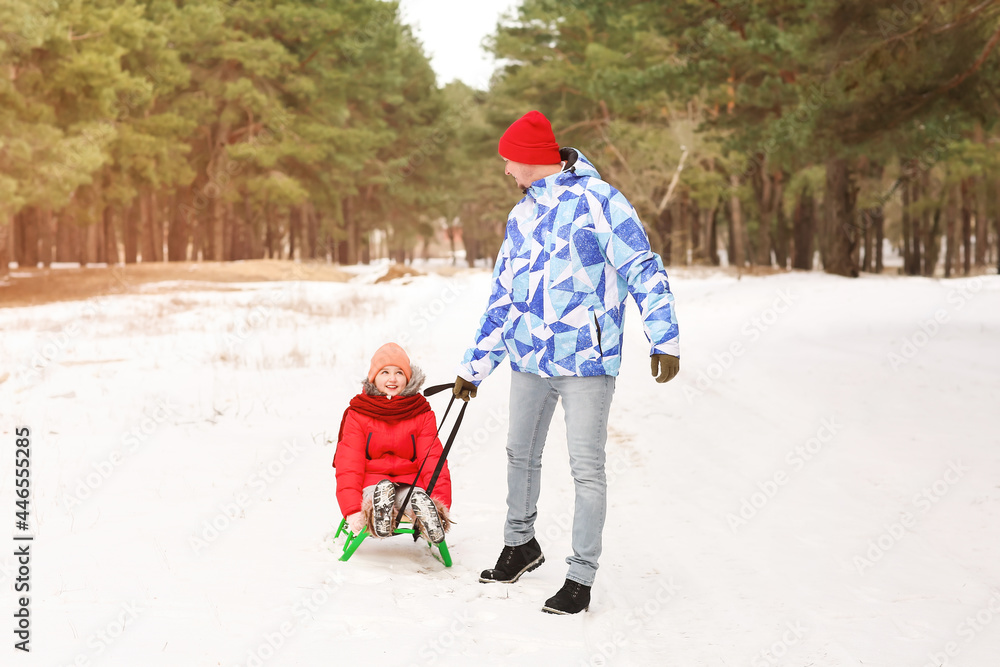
[{"x": 391, "y": 411}]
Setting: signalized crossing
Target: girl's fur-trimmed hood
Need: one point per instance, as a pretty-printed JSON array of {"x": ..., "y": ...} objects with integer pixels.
[{"x": 412, "y": 387}]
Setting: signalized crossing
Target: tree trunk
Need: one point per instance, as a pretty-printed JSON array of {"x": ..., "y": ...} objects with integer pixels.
[
  {"x": 269, "y": 230},
  {"x": 782, "y": 235},
  {"x": 870, "y": 218},
  {"x": 923, "y": 229},
  {"x": 236, "y": 247},
  {"x": 46, "y": 236},
  {"x": 841, "y": 239},
  {"x": 147, "y": 238},
  {"x": 951, "y": 219},
  {"x": 156, "y": 222},
  {"x": 967, "y": 186},
  {"x": 29, "y": 238},
  {"x": 910, "y": 226},
  {"x": 15, "y": 239},
  {"x": 804, "y": 230},
  {"x": 680, "y": 230},
  {"x": 364, "y": 249},
  {"x": 471, "y": 245},
  {"x": 228, "y": 222},
  {"x": 110, "y": 237},
  {"x": 255, "y": 230},
  {"x": 982, "y": 221},
  {"x": 252, "y": 241},
  {"x": 996, "y": 221},
  {"x": 879, "y": 237},
  {"x": 707, "y": 252},
  {"x": 909, "y": 242},
  {"x": 867, "y": 221},
  {"x": 874, "y": 223},
  {"x": 713, "y": 235},
  {"x": 199, "y": 225},
  {"x": 352, "y": 255},
  {"x": 736, "y": 228},
  {"x": 982, "y": 194},
  {"x": 214, "y": 191},
  {"x": 704, "y": 235},
  {"x": 177, "y": 231},
  {"x": 666, "y": 225},
  {"x": 696, "y": 218},
  {"x": 67, "y": 236},
  {"x": 312, "y": 231},
  {"x": 6, "y": 223},
  {"x": 95, "y": 249},
  {"x": 932, "y": 237},
  {"x": 130, "y": 230},
  {"x": 767, "y": 189},
  {"x": 238, "y": 233},
  {"x": 295, "y": 215}
]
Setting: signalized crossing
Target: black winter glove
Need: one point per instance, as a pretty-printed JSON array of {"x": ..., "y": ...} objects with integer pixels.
[
  {"x": 664, "y": 366},
  {"x": 464, "y": 389}
]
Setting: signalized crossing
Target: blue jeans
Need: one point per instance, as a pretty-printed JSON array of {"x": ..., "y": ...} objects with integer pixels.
[{"x": 586, "y": 402}]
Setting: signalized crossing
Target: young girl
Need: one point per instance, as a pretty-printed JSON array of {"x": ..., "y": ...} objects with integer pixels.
[{"x": 384, "y": 435}]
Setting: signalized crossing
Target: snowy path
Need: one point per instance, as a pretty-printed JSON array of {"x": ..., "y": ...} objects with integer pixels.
[{"x": 820, "y": 486}]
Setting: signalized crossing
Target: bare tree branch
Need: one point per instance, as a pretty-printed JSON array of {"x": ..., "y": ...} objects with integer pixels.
[{"x": 673, "y": 181}]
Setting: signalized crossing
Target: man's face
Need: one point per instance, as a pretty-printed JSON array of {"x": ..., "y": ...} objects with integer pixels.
[{"x": 522, "y": 173}]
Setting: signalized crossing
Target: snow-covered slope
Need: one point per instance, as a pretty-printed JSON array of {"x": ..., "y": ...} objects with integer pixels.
[{"x": 818, "y": 487}]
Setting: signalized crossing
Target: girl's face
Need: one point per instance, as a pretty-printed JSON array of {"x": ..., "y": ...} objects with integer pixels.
[{"x": 390, "y": 380}]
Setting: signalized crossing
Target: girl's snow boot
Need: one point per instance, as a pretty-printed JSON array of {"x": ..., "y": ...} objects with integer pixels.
[
  {"x": 383, "y": 508},
  {"x": 426, "y": 514}
]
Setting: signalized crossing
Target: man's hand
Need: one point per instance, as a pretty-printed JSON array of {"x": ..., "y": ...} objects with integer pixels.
[
  {"x": 464, "y": 389},
  {"x": 664, "y": 366}
]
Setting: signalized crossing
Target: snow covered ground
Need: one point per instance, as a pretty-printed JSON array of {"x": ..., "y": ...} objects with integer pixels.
[{"x": 820, "y": 486}]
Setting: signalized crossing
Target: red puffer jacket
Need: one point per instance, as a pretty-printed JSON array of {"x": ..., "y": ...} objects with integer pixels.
[{"x": 371, "y": 450}]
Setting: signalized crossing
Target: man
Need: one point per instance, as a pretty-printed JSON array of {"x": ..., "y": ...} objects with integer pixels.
[{"x": 573, "y": 249}]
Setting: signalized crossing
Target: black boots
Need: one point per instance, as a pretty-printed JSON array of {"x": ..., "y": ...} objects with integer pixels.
[
  {"x": 513, "y": 562},
  {"x": 572, "y": 598}
]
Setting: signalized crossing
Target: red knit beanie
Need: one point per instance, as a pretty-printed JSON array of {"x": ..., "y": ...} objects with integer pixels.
[
  {"x": 389, "y": 354},
  {"x": 529, "y": 140}
]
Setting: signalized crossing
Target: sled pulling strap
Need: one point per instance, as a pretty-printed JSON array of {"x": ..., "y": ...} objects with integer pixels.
[{"x": 430, "y": 391}]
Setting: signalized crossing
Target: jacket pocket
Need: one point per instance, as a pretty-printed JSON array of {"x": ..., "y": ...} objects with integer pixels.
[{"x": 595, "y": 332}]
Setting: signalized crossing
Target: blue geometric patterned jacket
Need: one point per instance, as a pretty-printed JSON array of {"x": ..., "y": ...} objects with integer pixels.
[{"x": 573, "y": 249}]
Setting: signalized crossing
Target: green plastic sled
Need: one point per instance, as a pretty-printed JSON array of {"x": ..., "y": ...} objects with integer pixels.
[{"x": 354, "y": 541}]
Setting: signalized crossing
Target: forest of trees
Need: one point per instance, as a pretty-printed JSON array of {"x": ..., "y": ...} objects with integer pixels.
[{"x": 172, "y": 130}]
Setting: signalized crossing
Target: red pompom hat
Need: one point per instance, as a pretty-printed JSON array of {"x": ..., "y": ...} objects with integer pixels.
[
  {"x": 529, "y": 140},
  {"x": 389, "y": 354}
]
